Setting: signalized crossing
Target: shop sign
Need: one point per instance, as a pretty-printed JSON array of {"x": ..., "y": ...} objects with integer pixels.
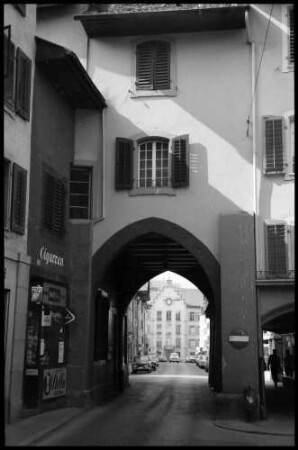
[
  {"x": 69, "y": 317},
  {"x": 49, "y": 258},
  {"x": 36, "y": 293},
  {"x": 54, "y": 294},
  {"x": 54, "y": 383}
]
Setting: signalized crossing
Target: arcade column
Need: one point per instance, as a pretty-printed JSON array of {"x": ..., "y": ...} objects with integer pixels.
[{"x": 239, "y": 324}]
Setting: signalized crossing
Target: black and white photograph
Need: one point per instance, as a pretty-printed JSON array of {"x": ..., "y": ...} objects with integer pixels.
[{"x": 149, "y": 224}]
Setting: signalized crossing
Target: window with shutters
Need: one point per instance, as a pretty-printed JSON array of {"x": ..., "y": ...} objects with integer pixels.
[
  {"x": 158, "y": 315},
  {"x": 9, "y": 71},
  {"x": 80, "y": 192},
  {"x": 7, "y": 192},
  {"x": 169, "y": 315},
  {"x": 277, "y": 251},
  {"x": 17, "y": 79},
  {"x": 18, "y": 199},
  {"x": 274, "y": 145},
  {"x": 156, "y": 166},
  {"x": 288, "y": 38},
  {"x": 53, "y": 203},
  {"x": 289, "y": 120},
  {"x": 178, "y": 316},
  {"x": 155, "y": 67},
  {"x": 191, "y": 316}
]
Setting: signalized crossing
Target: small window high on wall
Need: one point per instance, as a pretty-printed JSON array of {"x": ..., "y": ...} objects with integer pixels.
[{"x": 80, "y": 192}]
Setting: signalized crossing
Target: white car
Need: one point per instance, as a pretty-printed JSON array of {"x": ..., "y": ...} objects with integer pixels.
[
  {"x": 202, "y": 360},
  {"x": 174, "y": 357}
]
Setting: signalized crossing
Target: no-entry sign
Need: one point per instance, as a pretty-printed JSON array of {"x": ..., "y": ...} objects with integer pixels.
[{"x": 238, "y": 338}]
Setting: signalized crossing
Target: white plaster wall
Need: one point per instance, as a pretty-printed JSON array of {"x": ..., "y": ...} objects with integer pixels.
[
  {"x": 213, "y": 95},
  {"x": 274, "y": 96}
]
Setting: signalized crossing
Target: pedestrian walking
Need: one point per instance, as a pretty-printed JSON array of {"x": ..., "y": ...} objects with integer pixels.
[
  {"x": 275, "y": 367},
  {"x": 288, "y": 364}
]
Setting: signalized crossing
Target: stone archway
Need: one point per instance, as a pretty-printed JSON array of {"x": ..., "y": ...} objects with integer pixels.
[{"x": 114, "y": 271}]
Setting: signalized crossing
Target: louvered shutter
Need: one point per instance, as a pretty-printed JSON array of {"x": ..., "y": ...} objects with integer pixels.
[
  {"x": 274, "y": 158},
  {"x": 23, "y": 84},
  {"x": 124, "y": 164},
  {"x": 144, "y": 69},
  {"x": 9, "y": 72},
  {"x": 162, "y": 66},
  {"x": 291, "y": 36},
  {"x": 18, "y": 204},
  {"x": 54, "y": 203},
  {"x": 277, "y": 249},
  {"x": 180, "y": 162}
]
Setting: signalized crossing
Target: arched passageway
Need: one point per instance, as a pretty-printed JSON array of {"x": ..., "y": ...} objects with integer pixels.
[{"x": 144, "y": 249}]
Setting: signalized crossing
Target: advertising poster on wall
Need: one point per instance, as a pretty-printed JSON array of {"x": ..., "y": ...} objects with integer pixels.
[{"x": 54, "y": 383}]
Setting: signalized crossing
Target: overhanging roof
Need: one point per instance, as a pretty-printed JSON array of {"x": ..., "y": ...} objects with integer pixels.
[
  {"x": 65, "y": 71},
  {"x": 166, "y": 21}
]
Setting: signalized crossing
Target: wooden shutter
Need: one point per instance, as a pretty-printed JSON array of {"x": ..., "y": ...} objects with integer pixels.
[
  {"x": 153, "y": 65},
  {"x": 162, "y": 66},
  {"x": 144, "y": 69},
  {"x": 124, "y": 164},
  {"x": 18, "y": 204},
  {"x": 273, "y": 139},
  {"x": 277, "y": 249},
  {"x": 291, "y": 35},
  {"x": 54, "y": 203},
  {"x": 9, "y": 70},
  {"x": 180, "y": 162},
  {"x": 23, "y": 85}
]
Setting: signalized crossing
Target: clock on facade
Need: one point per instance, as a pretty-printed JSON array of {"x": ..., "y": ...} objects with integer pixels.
[{"x": 169, "y": 301}]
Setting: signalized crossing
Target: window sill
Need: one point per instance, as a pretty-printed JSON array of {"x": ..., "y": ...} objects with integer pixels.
[
  {"x": 275, "y": 173},
  {"x": 152, "y": 191},
  {"x": 289, "y": 177},
  {"x": 152, "y": 93}
]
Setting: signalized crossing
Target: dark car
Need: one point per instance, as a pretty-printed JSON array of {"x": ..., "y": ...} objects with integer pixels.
[
  {"x": 162, "y": 359},
  {"x": 141, "y": 363},
  {"x": 153, "y": 361},
  {"x": 191, "y": 359}
]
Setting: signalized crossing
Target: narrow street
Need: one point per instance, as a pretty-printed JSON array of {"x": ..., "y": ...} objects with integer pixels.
[{"x": 170, "y": 407}]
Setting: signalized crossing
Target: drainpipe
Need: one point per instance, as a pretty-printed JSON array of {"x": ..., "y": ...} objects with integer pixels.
[
  {"x": 261, "y": 381},
  {"x": 102, "y": 125}
]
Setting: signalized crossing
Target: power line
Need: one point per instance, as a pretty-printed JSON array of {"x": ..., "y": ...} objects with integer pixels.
[{"x": 260, "y": 63}]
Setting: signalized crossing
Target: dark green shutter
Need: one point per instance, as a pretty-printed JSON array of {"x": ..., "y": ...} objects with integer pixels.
[
  {"x": 162, "y": 66},
  {"x": 124, "y": 164},
  {"x": 291, "y": 36},
  {"x": 18, "y": 204},
  {"x": 277, "y": 249},
  {"x": 153, "y": 65},
  {"x": 23, "y": 84},
  {"x": 274, "y": 158},
  {"x": 53, "y": 203},
  {"x": 9, "y": 75},
  {"x": 144, "y": 69},
  {"x": 180, "y": 162}
]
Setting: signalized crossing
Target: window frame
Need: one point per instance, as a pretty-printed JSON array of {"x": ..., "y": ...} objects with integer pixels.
[
  {"x": 273, "y": 171},
  {"x": 88, "y": 169},
  {"x": 172, "y": 91},
  {"x": 154, "y": 140},
  {"x": 275, "y": 223},
  {"x": 287, "y": 65}
]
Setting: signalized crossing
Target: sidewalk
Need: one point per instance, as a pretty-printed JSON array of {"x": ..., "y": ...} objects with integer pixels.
[
  {"x": 29, "y": 430},
  {"x": 280, "y": 421}
]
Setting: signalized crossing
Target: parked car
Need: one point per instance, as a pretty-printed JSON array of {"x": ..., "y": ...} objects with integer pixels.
[
  {"x": 191, "y": 359},
  {"x": 153, "y": 361},
  {"x": 141, "y": 363},
  {"x": 174, "y": 357},
  {"x": 162, "y": 359},
  {"x": 201, "y": 360}
]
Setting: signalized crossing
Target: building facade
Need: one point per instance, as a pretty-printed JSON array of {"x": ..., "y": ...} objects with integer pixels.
[
  {"x": 173, "y": 319},
  {"x": 19, "y": 54},
  {"x": 195, "y": 175}
]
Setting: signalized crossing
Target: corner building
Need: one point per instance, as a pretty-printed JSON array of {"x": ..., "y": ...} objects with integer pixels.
[{"x": 185, "y": 182}]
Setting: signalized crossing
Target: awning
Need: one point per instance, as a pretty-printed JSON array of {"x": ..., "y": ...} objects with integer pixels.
[
  {"x": 169, "y": 21},
  {"x": 65, "y": 71}
]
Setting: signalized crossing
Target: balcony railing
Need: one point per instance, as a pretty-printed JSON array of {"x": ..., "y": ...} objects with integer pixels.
[{"x": 275, "y": 275}]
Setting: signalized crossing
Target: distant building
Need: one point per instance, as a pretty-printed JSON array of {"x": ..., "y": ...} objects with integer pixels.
[{"x": 174, "y": 319}]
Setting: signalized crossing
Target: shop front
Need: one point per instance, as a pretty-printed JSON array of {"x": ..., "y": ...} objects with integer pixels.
[{"x": 45, "y": 371}]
